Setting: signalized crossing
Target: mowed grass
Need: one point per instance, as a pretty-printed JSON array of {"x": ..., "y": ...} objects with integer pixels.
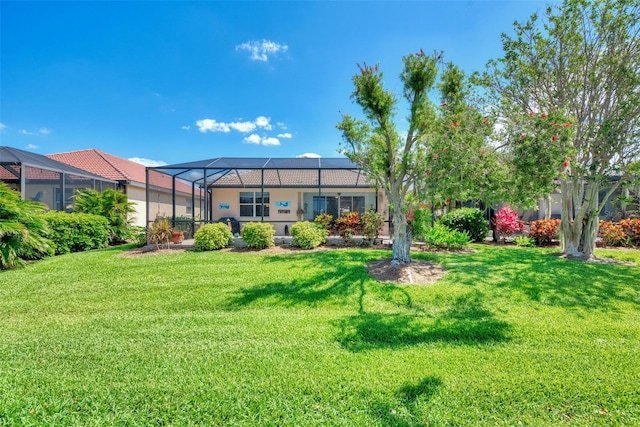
[{"x": 510, "y": 336}]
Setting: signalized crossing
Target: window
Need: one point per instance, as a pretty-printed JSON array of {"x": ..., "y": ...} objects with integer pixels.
[
  {"x": 252, "y": 203},
  {"x": 338, "y": 205}
]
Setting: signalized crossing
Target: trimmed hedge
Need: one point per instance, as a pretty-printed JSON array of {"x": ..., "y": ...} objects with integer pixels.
[
  {"x": 213, "y": 237},
  {"x": 469, "y": 220},
  {"x": 77, "y": 232},
  {"x": 308, "y": 235},
  {"x": 258, "y": 235}
]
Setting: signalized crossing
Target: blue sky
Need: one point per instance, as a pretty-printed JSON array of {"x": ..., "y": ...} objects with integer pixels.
[{"x": 178, "y": 81}]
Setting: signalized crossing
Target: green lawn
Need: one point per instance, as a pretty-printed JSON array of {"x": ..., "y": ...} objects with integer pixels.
[{"x": 511, "y": 336}]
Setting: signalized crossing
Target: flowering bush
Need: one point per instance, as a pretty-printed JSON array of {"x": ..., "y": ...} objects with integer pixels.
[
  {"x": 507, "y": 222},
  {"x": 614, "y": 234},
  {"x": 349, "y": 225},
  {"x": 544, "y": 231},
  {"x": 631, "y": 227}
]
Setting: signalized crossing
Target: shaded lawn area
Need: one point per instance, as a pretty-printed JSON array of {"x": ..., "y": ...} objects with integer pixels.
[{"x": 509, "y": 336}]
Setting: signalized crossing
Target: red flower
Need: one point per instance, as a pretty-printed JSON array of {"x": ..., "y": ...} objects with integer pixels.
[
  {"x": 447, "y": 201},
  {"x": 523, "y": 136},
  {"x": 567, "y": 125},
  {"x": 553, "y": 138},
  {"x": 444, "y": 104},
  {"x": 531, "y": 114},
  {"x": 456, "y": 123},
  {"x": 555, "y": 125},
  {"x": 565, "y": 164},
  {"x": 543, "y": 115}
]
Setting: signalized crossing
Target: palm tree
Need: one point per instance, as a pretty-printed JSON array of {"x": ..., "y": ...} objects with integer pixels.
[
  {"x": 22, "y": 229},
  {"x": 111, "y": 204}
]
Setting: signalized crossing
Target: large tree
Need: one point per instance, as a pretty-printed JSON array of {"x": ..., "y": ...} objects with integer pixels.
[
  {"x": 442, "y": 155},
  {"x": 568, "y": 92}
]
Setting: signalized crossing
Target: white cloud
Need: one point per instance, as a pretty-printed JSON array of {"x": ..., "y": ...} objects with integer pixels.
[
  {"x": 26, "y": 132},
  {"x": 2, "y": 127},
  {"x": 282, "y": 125},
  {"x": 187, "y": 127},
  {"x": 264, "y": 140},
  {"x": 286, "y": 135},
  {"x": 252, "y": 139},
  {"x": 32, "y": 147},
  {"x": 148, "y": 162},
  {"x": 44, "y": 131},
  {"x": 261, "y": 50},
  {"x": 309, "y": 156},
  {"x": 211, "y": 125},
  {"x": 41, "y": 131}
]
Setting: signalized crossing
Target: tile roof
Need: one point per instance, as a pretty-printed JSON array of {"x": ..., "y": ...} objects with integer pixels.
[{"x": 116, "y": 168}]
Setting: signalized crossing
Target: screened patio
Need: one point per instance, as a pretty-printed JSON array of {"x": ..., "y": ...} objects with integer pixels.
[
  {"x": 41, "y": 179},
  {"x": 280, "y": 191}
]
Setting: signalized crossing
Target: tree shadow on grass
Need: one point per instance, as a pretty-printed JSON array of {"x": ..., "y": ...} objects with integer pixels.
[
  {"x": 404, "y": 409},
  {"x": 548, "y": 279},
  {"x": 467, "y": 322}
]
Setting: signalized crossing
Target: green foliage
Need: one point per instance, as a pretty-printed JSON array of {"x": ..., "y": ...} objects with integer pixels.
[
  {"x": 442, "y": 237},
  {"x": 111, "y": 204},
  {"x": 22, "y": 229},
  {"x": 258, "y": 235},
  {"x": 422, "y": 221},
  {"x": 76, "y": 232},
  {"x": 308, "y": 235},
  {"x": 139, "y": 235},
  {"x": 469, "y": 220},
  {"x": 325, "y": 220},
  {"x": 183, "y": 224},
  {"x": 372, "y": 222},
  {"x": 544, "y": 231},
  {"x": 348, "y": 225},
  {"x": 159, "y": 232},
  {"x": 524, "y": 241},
  {"x": 213, "y": 237}
]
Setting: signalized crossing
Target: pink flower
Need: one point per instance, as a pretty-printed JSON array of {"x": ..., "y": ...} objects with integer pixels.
[{"x": 523, "y": 136}]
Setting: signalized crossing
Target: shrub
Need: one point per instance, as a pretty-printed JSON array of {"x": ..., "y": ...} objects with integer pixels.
[
  {"x": 470, "y": 220},
  {"x": 613, "y": 234},
  {"x": 22, "y": 229},
  {"x": 442, "y": 237},
  {"x": 507, "y": 222},
  {"x": 160, "y": 232},
  {"x": 212, "y": 237},
  {"x": 308, "y": 235},
  {"x": 631, "y": 228},
  {"x": 524, "y": 241},
  {"x": 77, "y": 232},
  {"x": 422, "y": 220},
  {"x": 258, "y": 235},
  {"x": 372, "y": 222},
  {"x": 349, "y": 225},
  {"x": 325, "y": 221},
  {"x": 543, "y": 231},
  {"x": 111, "y": 204}
]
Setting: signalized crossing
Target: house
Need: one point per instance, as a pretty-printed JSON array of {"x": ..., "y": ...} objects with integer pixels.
[
  {"x": 166, "y": 197},
  {"x": 42, "y": 179},
  {"x": 280, "y": 191}
]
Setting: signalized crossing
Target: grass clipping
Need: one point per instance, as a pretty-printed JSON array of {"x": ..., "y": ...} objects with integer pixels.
[{"x": 416, "y": 272}]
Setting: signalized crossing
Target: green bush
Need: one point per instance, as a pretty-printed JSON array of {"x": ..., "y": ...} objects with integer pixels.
[
  {"x": 258, "y": 235},
  {"x": 421, "y": 223},
  {"x": 308, "y": 235},
  {"x": 470, "y": 220},
  {"x": 111, "y": 204},
  {"x": 372, "y": 222},
  {"x": 442, "y": 237},
  {"x": 325, "y": 220},
  {"x": 524, "y": 241},
  {"x": 212, "y": 237},
  {"x": 77, "y": 232}
]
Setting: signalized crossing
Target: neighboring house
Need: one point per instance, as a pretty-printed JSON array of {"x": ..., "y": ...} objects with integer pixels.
[
  {"x": 280, "y": 191},
  {"x": 131, "y": 178},
  {"x": 41, "y": 179}
]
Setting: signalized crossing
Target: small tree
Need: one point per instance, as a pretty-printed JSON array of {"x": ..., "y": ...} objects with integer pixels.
[{"x": 111, "y": 204}]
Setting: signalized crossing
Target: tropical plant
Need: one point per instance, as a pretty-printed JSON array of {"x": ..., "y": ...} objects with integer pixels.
[
  {"x": 23, "y": 229},
  {"x": 524, "y": 241},
  {"x": 371, "y": 222},
  {"x": 325, "y": 220},
  {"x": 422, "y": 221},
  {"x": 308, "y": 235},
  {"x": 569, "y": 88},
  {"x": 543, "y": 231},
  {"x": 507, "y": 222},
  {"x": 213, "y": 237},
  {"x": 111, "y": 204},
  {"x": 442, "y": 237},
  {"x": 258, "y": 235},
  {"x": 348, "y": 225},
  {"x": 470, "y": 220},
  {"x": 159, "y": 233}
]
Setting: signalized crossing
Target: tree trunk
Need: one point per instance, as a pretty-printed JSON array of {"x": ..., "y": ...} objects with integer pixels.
[
  {"x": 579, "y": 227},
  {"x": 402, "y": 237}
]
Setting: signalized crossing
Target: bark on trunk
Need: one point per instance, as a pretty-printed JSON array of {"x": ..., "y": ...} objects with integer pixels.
[
  {"x": 579, "y": 227},
  {"x": 402, "y": 237}
]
